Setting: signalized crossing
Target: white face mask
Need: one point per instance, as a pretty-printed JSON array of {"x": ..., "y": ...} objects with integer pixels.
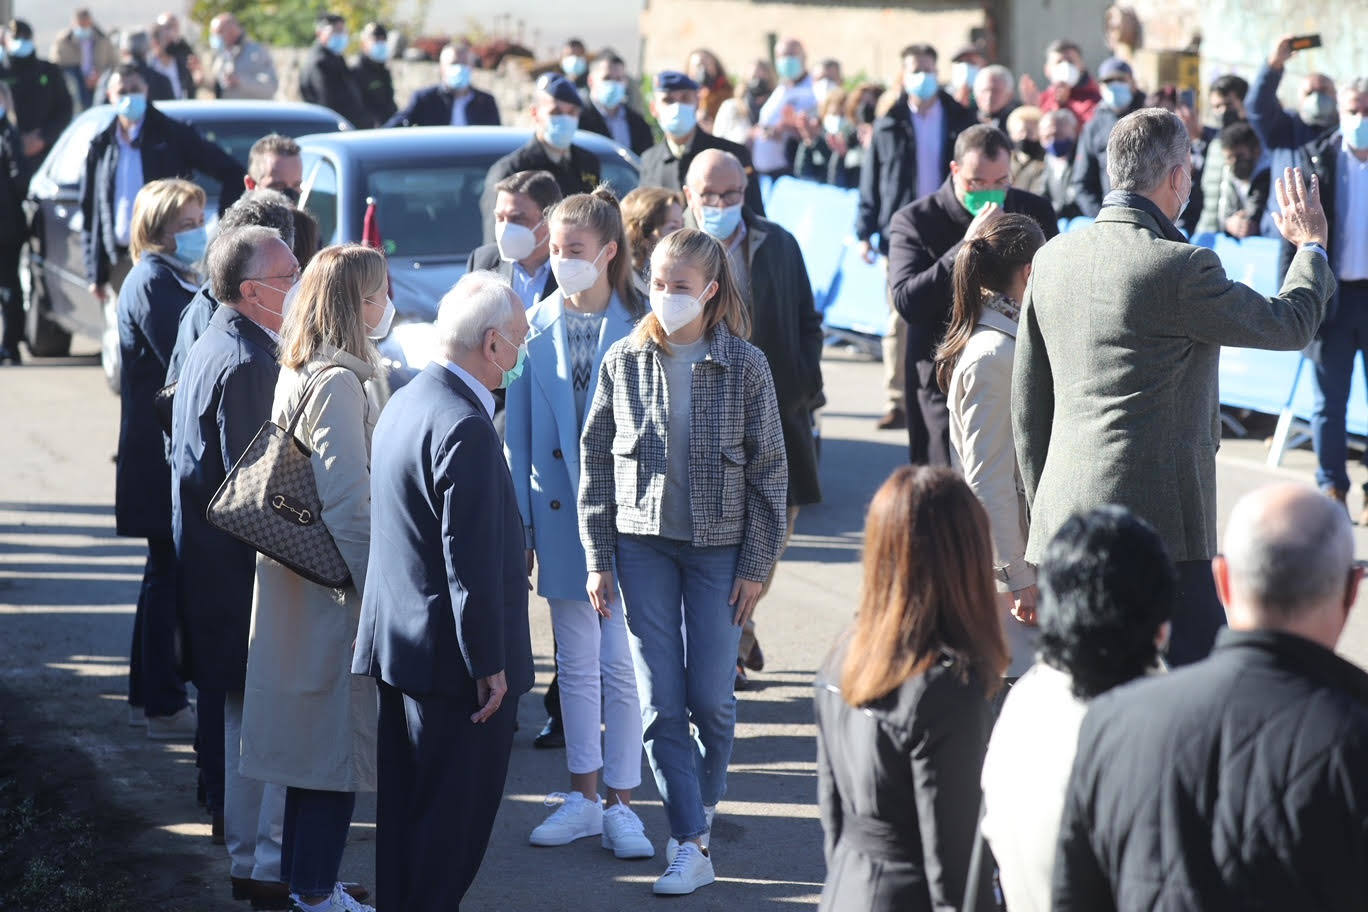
[
  {"x": 382, "y": 329},
  {"x": 286, "y": 303},
  {"x": 574, "y": 276},
  {"x": 516, "y": 242},
  {"x": 675, "y": 311},
  {"x": 1065, "y": 73}
]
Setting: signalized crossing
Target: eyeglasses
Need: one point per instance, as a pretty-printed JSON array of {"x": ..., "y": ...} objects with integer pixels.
[
  {"x": 730, "y": 198},
  {"x": 292, "y": 276}
]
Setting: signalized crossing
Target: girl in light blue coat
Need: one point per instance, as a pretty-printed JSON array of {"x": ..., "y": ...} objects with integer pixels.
[{"x": 595, "y": 305}]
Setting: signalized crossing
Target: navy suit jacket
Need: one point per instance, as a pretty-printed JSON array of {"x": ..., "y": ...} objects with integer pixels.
[
  {"x": 446, "y": 598},
  {"x": 431, "y": 107},
  {"x": 226, "y": 387}
]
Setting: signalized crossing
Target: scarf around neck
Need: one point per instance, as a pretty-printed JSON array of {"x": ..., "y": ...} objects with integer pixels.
[
  {"x": 1129, "y": 200},
  {"x": 1000, "y": 303}
]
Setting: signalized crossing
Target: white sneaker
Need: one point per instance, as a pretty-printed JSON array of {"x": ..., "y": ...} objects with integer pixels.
[
  {"x": 672, "y": 844},
  {"x": 178, "y": 726},
  {"x": 691, "y": 868},
  {"x": 624, "y": 833},
  {"x": 576, "y": 818},
  {"x": 340, "y": 901}
]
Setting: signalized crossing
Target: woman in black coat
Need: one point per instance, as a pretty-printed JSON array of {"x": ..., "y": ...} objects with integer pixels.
[
  {"x": 903, "y": 704},
  {"x": 13, "y": 229},
  {"x": 167, "y": 242}
]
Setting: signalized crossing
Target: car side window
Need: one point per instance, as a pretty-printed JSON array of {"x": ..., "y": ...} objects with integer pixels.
[
  {"x": 320, "y": 195},
  {"x": 69, "y": 157}
]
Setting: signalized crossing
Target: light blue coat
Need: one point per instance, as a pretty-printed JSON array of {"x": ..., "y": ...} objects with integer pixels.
[{"x": 542, "y": 440}]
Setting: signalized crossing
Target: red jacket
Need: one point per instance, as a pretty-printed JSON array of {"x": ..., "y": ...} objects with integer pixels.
[{"x": 1083, "y": 99}]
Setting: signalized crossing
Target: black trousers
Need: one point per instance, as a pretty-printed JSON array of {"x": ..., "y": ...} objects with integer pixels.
[
  {"x": 441, "y": 778},
  {"x": 11, "y": 297},
  {"x": 928, "y": 416},
  {"x": 1197, "y": 616},
  {"x": 154, "y": 681}
]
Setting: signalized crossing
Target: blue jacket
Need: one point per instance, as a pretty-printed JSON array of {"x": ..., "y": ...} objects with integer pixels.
[
  {"x": 446, "y": 593},
  {"x": 227, "y": 385},
  {"x": 1283, "y": 133},
  {"x": 542, "y": 443},
  {"x": 194, "y": 320},
  {"x": 150, "y": 305},
  {"x": 431, "y": 107}
]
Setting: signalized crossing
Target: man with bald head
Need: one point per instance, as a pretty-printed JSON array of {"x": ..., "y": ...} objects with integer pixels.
[
  {"x": 1240, "y": 781},
  {"x": 241, "y": 67},
  {"x": 785, "y": 325},
  {"x": 777, "y": 122}
]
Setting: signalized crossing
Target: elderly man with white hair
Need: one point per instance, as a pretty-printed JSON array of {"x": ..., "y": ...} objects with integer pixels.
[
  {"x": 1240, "y": 782},
  {"x": 1115, "y": 396},
  {"x": 444, "y": 615},
  {"x": 995, "y": 95}
]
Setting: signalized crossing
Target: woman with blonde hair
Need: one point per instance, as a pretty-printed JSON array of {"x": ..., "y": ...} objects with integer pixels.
[
  {"x": 166, "y": 241},
  {"x": 684, "y": 494},
  {"x": 904, "y": 703},
  {"x": 569, "y": 331},
  {"x": 308, "y": 723},
  {"x": 13, "y": 230},
  {"x": 974, "y": 367},
  {"x": 649, "y": 214}
]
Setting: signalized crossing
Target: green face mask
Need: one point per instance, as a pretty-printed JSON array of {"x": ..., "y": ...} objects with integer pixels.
[{"x": 975, "y": 200}]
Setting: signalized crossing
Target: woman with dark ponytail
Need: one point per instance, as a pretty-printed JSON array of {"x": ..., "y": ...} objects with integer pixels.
[{"x": 974, "y": 367}]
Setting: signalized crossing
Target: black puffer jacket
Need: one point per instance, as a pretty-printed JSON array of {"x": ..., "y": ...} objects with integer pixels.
[{"x": 1240, "y": 782}]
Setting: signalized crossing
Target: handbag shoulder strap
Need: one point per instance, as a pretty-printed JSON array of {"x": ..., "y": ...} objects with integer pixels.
[{"x": 310, "y": 383}]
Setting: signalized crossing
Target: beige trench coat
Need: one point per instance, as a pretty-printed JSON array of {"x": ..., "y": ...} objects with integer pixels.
[{"x": 307, "y": 721}]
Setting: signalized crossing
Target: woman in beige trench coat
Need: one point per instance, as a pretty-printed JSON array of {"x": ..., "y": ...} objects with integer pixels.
[{"x": 308, "y": 724}]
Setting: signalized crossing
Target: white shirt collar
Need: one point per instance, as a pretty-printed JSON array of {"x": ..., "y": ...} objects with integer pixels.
[{"x": 481, "y": 391}]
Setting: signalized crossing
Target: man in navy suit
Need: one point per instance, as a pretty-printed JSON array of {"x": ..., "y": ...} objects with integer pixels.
[
  {"x": 453, "y": 103},
  {"x": 444, "y": 616}
]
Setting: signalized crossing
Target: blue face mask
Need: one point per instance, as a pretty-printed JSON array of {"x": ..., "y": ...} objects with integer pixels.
[
  {"x": 720, "y": 221},
  {"x": 22, "y": 48},
  {"x": 81, "y": 33},
  {"x": 379, "y": 51},
  {"x": 921, "y": 85},
  {"x": 560, "y": 130},
  {"x": 516, "y": 370},
  {"x": 1116, "y": 95},
  {"x": 610, "y": 93},
  {"x": 678, "y": 119},
  {"x": 132, "y": 107},
  {"x": 190, "y": 245},
  {"x": 789, "y": 67},
  {"x": 216, "y": 42},
  {"x": 338, "y": 41},
  {"x": 458, "y": 76},
  {"x": 574, "y": 66},
  {"x": 1356, "y": 130}
]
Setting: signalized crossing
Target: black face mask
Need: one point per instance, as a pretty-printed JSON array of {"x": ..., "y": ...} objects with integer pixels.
[
  {"x": 1243, "y": 168},
  {"x": 291, "y": 193},
  {"x": 867, "y": 112},
  {"x": 1032, "y": 147},
  {"x": 1231, "y": 115},
  {"x": 760, "y": 87}
]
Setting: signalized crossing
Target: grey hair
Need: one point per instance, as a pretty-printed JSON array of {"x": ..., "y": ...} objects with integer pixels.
[
  {"x": 1059, "y": 117},
  {"x": 480, "y": 301},
  {"x": 136, "y": 42},
  {"x": 1292, "y": 559},
  {"x": 233, "y": 258},
  {"x": 264, "y": 208},
  {"x": 1144, "y": 147},
  {"x": 996, "y": 72}
]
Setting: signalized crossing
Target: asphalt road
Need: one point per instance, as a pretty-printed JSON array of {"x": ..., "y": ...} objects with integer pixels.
[{"x": 67, "y": 588}]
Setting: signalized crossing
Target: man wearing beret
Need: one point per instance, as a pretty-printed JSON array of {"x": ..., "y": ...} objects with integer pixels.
[
  {"x": 555, "y": 118},
  {"x": 675, "y": 106}
]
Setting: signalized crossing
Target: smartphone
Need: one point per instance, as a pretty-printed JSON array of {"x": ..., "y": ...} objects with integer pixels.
[{"x": 1306, "y": 42}]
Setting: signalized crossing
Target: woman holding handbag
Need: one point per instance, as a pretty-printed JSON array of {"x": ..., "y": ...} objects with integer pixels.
[
  {"x": 904, "y": 705},
  {"x": 166, "y": 241},
  {"x": 308, "y": 724},
  {"x": 684, "y": 495}
]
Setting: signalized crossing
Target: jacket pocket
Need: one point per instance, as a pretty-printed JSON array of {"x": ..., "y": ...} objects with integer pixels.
[
  {"x": 733, "y": 506},
  {"x": 626, "y": 468}
]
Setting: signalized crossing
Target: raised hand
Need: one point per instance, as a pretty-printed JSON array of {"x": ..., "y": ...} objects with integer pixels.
[{"x": 1302, "y": 220}]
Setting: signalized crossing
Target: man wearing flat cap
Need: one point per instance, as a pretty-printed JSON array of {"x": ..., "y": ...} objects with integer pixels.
[
  {"x": 674, "y": 102},
  {"x": 556, "y": 110}
]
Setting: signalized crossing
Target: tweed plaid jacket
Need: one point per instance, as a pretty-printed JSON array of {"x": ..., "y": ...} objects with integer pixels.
[{"x": 738, "y": 473}]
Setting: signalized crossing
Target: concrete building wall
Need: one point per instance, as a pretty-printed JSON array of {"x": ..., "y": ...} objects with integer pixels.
[
  {"x": 1026, "y": 27},
  {"x": 864, "y": 37}
]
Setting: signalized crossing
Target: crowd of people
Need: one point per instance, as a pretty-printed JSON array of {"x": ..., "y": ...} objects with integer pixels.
[{"x": 621, "y": 413}]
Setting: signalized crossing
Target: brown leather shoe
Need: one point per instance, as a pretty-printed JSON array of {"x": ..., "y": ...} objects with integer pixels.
[
  {"x": 270, "y": 894},
  {"x": 1336, "y": 495},
  {"x": 356, "y": 891},
  {"x": 242, "y": 888},
  {"x": 895, "y": 420},
  {"x": 755, "y": 661}
]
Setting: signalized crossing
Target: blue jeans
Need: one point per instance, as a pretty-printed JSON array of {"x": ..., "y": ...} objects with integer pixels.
[
  {"x": 1342, "y": 338},
  {"x": 676, "y": 688},
  {"x": 315, "y": 835}
]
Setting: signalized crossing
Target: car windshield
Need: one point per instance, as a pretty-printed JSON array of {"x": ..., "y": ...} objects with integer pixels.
[
  {"x": 431, "y": 211},
  {"x": 237, "y": 138}
]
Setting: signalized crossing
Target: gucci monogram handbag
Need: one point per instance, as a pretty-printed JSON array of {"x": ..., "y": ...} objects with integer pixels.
[{"x": 270, "y": 501}]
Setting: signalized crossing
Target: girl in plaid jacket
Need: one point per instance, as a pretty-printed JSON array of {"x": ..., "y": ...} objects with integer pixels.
[{"x": 683, "y": 493}]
